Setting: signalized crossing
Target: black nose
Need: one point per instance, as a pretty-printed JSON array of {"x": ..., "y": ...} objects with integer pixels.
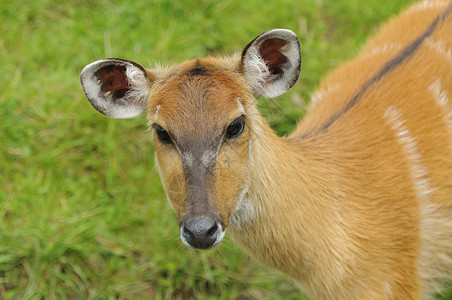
[{"x": 200, "y": 233}]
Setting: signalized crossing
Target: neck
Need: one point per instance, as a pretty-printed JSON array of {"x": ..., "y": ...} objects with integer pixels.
[{"x": 296, "y": 222}]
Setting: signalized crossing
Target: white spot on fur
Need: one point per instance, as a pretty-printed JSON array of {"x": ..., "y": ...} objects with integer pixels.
[
  {"x": 220, "y": 235},
  {"x": 156, "y": 111},
  {"x": 440, "y": 48},
  {"x": 208, "y": 158},
  {"x": 380, "y": 49},
  {"x": 388, "y": 290},
  {"x": 321, "y": 94},
  {"x": 244, "y": 212},
  {"x": 187, "y": 159},
  {"x": 439, "y": 94},
  {"x": 442, "y": 100},
  {"x": 429, "y": 4}
]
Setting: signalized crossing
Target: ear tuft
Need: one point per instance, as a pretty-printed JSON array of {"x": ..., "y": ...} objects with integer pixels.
[
  {"x": 115, "y": 87},
  {"x": 272, "y": 62}
]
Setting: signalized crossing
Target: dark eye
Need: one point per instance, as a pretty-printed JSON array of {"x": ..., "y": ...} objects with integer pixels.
[
  {"x": 236, "y": 127},
  {"x": 162, "y": 134}
]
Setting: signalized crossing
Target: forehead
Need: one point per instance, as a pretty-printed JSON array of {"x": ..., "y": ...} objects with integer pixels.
[{"x": 198, "y": 93}]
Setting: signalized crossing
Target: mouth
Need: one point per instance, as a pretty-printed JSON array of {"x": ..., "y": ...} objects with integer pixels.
[{"x": 201, "y": 233}]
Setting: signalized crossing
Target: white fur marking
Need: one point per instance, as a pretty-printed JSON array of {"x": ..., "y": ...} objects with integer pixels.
[
  {"x": 208, "y": 157},
  {"x": 388, "y": 290},
  {"x": 440, "y": 95},
  {"x": 440, "y": 48},
  {"x": 380, "y": 49},
  {"x": 187, "y": 159},
  {"x": 435, "y": 260},
  {"x": 250, "y": 151},
  {"x": 155, "y": 116},
  {"x": 429, "y": 4},
  {"x": 442, "y": 99},
  {"x": 322, "y": 94},
  {"x": 241, "y": 107},
  {"x": 430, "y": 227},
  {"x": 418, "y": 172},
  {"x": 244, "y": 211}
]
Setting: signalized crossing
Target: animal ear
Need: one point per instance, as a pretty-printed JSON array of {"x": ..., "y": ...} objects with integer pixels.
[
  {"x": 115, "y": 87},
  {"x": 272, "y": 62}
]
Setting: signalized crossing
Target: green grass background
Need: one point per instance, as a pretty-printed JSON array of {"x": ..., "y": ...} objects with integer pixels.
[{"x": 82, "y": 212}]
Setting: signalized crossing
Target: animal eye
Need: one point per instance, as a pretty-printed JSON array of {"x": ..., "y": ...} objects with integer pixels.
[
  {"x": 162, "y": 134},
  {"x": 236, "y": 127}
]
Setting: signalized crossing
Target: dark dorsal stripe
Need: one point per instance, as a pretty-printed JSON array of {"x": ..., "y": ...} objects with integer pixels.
[{"x": 406, "y": 53}]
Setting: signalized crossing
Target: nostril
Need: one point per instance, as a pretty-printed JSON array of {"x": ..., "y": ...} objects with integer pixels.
[
  {"x": 200, "y": 233},
  {"x": 187, "y": 233},
  {"x": 212, "y": 230},
  {"x": 200, "y": 227}
]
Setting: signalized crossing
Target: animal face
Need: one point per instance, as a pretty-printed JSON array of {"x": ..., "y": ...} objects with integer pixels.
[
  {"x": 201, "y": 133},
  {"x": 202, "y": 114}
]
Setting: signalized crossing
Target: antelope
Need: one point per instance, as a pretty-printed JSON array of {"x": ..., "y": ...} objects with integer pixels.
[{"x": 356, "y": 203}]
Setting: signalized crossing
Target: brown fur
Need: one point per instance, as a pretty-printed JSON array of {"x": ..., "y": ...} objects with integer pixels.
[
  {"x": 186, "y": 103},
  {"x": 356, "y": 203}
]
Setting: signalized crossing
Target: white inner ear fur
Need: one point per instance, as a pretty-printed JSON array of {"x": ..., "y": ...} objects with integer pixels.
[
  {"x": 138, "y": 84},
  {"x": 256, "y": 70},
  {"x": 260, "y": 78},
  {"x": 134, "y": 101}
]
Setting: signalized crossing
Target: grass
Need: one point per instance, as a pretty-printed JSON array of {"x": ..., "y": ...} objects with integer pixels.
[{"x": 82, "y": 211}]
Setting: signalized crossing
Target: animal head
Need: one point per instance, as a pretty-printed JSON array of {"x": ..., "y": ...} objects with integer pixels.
[{"x": 203, "y": 115}]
